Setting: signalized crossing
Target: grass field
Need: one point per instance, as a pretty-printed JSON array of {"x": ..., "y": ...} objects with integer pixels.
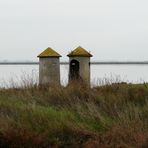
[{"x": 109, "y": 116}]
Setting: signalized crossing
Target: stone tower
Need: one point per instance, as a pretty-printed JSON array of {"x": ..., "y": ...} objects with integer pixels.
[
  {"x": 79, "y": 65},
  {"x": 49, "y": 67}
]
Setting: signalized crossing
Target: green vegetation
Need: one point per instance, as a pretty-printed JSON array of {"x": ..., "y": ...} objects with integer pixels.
[{"x": 110, "y": 116}]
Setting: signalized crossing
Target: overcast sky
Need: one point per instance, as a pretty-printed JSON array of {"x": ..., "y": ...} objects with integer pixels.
[{"x": 110, "y": 29}]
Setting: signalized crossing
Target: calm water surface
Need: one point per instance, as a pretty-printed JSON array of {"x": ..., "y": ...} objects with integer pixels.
[{"x": 18, "y": 74}]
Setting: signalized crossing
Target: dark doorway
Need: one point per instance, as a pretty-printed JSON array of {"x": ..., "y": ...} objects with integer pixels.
[{"x": 74, "y": 70}]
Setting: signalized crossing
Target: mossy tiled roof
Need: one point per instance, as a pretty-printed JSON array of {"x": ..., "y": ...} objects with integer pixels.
[
  {"x": 49, "y": 52},
  {"x": 79, "y": 52}
]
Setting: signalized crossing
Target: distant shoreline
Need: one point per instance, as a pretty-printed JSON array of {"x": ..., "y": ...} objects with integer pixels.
[{"x": 92, "y": 63}]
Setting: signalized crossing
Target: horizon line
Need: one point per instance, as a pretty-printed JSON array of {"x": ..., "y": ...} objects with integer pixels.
[{"x": 65, "y": 62}]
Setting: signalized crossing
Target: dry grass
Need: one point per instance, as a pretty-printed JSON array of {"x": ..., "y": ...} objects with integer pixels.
[{"x": 111, "y": 116}]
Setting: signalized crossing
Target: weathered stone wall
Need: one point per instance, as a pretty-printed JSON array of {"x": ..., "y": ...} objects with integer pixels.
[
  {"x": 84, "y": 67},
  {"x": 49, "y": 70}
]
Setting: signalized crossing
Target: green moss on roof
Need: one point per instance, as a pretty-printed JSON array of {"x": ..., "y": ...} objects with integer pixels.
[
  {"x": 79, "y": 52},
  {"x": 49, "y": 52}
]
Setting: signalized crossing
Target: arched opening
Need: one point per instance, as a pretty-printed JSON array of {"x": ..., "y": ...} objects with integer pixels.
[{"x": 74, "y": 70}]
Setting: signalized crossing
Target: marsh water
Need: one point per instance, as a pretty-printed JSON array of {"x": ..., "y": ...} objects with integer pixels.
[{"x": 19, "y": 74}]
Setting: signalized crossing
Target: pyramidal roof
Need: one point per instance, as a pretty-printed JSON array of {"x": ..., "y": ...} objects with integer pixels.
[
  {"x": 79, "y": 52},
  {"x": 49, "y": 52}
]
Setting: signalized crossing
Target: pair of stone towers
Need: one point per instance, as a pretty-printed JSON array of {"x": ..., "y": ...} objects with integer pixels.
[{"x": 49, "y": 66}]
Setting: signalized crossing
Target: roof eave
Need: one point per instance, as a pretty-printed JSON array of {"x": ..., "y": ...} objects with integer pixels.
[
  {"x": 49, "y": 56},
  {"x": 69, "y": 55}
]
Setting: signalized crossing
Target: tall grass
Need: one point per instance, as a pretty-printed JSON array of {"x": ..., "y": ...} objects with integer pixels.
[{"x": 110, "y": 115}]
